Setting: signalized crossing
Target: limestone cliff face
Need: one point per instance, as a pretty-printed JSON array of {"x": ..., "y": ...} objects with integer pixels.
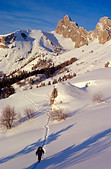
[{"x": 81, "y": 36}]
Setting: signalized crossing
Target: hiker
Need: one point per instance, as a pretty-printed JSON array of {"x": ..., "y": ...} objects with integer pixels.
[{"x": 39, "y": 152}]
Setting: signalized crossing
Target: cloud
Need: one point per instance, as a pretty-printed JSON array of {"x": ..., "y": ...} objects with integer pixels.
[
  {"x": 14, "y": 21},
  {"x": 44, "y": 15},
  {"x": 28, "y": 14}
]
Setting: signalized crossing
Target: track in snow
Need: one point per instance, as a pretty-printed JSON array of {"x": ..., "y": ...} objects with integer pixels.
[{"x": 48, "y": 118}]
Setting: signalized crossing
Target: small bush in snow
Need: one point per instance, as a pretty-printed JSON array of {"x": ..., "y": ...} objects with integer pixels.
[
  {"x": 91, "y": 51},
  {"x": 98, "y": 97},
  {"x": 42, "y": 84},
  {"x": 49, "y": 83},
  {"x": 7, "y": 91},
  {"x": 54, "y": 92},
  {"x": 51, "y": 100},
  {"x": 31, "y": 81},
  {"x": 8, "y": 117},
  {"x": 55, "y": 81},
  {"x": 53, "y": 95},
  {"x": 57, "y": 114},
  {"x": 107, "y": 64},
  {"x": 29, "y": 113}
]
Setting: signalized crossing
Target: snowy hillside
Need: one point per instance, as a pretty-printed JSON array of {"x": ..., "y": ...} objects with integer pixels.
[{"x": 83, "y": 139}]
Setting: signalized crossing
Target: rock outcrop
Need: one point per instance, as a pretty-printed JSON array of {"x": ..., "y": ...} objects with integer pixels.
[
  {"x": 103, "y": 30},
  {"x": 4, "y": 40},
  {"x": 3, "y": 46},
  {"x": 81, "y": 36},
  {"x": 71, "y": 30}
]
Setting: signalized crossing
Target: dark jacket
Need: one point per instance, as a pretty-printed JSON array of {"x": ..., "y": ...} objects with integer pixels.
[{"x": 39, "y": 151}]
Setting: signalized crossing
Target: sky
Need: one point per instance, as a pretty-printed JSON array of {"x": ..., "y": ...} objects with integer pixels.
[{"x": 45, "y": 14}]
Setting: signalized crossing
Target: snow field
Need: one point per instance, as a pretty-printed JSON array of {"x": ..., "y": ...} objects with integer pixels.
[{"x": 79, "y": 142}]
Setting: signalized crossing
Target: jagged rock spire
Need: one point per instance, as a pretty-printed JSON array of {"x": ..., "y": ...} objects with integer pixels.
[
  {"x": 66, "y": 20},
  {"x": 71, "y": 30}
]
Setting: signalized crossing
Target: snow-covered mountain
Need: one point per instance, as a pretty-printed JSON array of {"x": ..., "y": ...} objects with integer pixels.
[
  {"x": 25, "y": 48},
  {"x": 22, "y": 50},
  {"x": 83, "y": 139}
]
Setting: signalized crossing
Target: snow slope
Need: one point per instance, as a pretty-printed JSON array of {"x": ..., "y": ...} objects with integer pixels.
[{"x": 82, "y": 141}]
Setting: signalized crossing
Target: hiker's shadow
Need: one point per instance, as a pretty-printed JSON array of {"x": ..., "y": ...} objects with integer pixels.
[
  {"x": 26, "y": 150},
  {"x": 33, "y": 147},
  {"x": 33, "y": 166},
  {"x": 77, "y": 153}
]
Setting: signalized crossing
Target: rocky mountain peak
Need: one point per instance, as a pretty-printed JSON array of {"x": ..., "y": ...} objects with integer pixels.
[
  {"x": 6, "y": 40},
  {"x": 80, "y": 35},
  {"x": 66, "y": 20},
  {"x": 71, "y": 30},
  {"x": 103, "y": 30},
  {"x": 104, "y": 23}
]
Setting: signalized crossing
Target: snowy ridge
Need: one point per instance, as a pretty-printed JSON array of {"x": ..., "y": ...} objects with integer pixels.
[
  {"x": 24, "y": 45},
  {"x": 23, "y": 54}
]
